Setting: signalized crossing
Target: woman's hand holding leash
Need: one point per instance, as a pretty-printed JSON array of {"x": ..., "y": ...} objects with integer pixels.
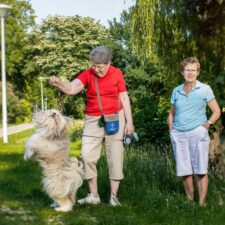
[{"x": 129, "y": 129}]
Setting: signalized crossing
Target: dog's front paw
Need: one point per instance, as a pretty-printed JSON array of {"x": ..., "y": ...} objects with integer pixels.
[{"x": 27, "y": 154}]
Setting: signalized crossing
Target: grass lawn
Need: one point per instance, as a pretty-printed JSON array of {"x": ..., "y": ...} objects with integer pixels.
[{"x": 151, "y": 193}]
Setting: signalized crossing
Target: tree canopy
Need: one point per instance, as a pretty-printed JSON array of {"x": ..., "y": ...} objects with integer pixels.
[
  {"x": 17, "y": 24},
  {"x": 61, "y": 45},
  {"x": 169, "y": 31}
]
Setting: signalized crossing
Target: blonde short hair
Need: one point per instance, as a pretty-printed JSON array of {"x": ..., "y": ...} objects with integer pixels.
[{"x": 190, "y": 60}]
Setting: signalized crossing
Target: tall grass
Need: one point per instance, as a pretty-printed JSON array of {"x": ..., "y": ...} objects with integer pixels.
[{"x": 151, "y": 193}]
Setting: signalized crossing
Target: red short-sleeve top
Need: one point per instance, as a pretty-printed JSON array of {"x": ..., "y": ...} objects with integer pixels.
[{"x": 109, "y": 87}]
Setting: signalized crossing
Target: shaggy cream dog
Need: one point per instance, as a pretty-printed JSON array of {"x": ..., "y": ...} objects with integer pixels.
[{"x": 49, "y": 145}]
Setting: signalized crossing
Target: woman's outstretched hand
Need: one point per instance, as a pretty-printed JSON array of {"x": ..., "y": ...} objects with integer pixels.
[{"x": 54, "y": 81}]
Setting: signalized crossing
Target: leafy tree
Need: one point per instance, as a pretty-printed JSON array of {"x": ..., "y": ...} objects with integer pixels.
[
  {"x": 120, "y": 41},
  {"x": 61, "y": 46},
  {"x": 143, "y": 18},
  {"x": 18, "y": 22},
  {"x": 208, "y": 31},
  {"x": 172, "y": 30}
]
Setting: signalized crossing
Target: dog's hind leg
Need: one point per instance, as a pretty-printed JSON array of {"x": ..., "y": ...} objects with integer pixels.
[{"x": 65, "y": 204}]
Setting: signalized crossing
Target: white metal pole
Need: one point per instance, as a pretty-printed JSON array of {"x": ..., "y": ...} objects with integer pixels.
[
  {"x": 46, "y": 104},
  {"x": 4, "y": 101},
  {"x": 42, "y": 96}
]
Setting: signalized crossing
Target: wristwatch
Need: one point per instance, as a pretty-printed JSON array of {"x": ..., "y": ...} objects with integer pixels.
[{"x": 209, "y": 122}]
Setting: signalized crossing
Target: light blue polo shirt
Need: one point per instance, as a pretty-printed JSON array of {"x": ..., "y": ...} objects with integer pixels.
[{"x": 190, "y": 108}]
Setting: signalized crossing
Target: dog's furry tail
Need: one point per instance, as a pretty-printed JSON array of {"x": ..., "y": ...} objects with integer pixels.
[
  {"x": 80, "y": 166},
  {"x": 76, "y": 171},
  {"x": 80, "y": 170}
]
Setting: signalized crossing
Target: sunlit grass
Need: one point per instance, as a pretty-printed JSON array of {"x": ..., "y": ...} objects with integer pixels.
[{"x": 151, "y": 193}]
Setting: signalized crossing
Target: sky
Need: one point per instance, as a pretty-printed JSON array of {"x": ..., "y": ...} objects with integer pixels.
[{"x": 100, "y": 10}]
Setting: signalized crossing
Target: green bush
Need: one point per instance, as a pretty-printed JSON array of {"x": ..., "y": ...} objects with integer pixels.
[
  {"x": 74, "y": 106},
  {"x": 75, "y": 130},
  {"x": 24, "y": 111},
  {"x": 18, "y": 110},
  {"x": 149, "y": 106},
  {"x": 12, "y": 103}
]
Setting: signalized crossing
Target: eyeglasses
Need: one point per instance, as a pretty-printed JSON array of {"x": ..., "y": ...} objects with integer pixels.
[
  {"x": 188, "y": 71},
  {"x": 98, "y": 66}
]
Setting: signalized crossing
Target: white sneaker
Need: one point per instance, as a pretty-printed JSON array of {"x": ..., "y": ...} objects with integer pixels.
[
  {"x": 89, "y": 199},
  {"x": 114, "y": 201}
]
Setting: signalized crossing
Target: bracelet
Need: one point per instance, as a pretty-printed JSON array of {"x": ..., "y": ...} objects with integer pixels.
[{"x": 209, "y": 122}]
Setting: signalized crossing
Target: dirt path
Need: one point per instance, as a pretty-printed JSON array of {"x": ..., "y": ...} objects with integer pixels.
[{"x": 17, "y": 128}]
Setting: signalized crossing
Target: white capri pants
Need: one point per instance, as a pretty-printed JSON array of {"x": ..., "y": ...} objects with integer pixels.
[{"x": 191, "y": 151}]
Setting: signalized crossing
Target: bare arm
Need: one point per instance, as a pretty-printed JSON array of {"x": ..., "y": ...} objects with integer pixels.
[
  {"x": 70, "y": 88},
  {"x": 129, "y": 128},
  {"x": 171, "y": 117},
  {"x": 213, "y": 105}
]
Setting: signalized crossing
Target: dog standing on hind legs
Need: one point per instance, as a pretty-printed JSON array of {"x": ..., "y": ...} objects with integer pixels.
[{"x": 49, "y": 145}]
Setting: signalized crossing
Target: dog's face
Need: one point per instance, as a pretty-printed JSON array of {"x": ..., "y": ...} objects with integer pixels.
[{"x": 51, "y": 122}]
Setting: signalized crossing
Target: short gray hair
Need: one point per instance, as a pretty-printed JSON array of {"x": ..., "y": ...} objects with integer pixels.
[{"x": 101, "y": 55}]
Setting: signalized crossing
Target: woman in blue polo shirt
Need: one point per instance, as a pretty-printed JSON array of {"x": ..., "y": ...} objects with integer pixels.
[{"x": 188, "y": 126}]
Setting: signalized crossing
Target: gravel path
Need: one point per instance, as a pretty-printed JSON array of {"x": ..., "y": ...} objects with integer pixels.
[{"x": 18, "y": 128}]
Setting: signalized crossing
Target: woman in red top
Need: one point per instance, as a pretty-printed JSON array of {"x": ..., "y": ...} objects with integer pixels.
[{"x": 111, "y": 88}]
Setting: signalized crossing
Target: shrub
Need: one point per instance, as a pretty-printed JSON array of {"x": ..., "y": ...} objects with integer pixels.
[
  {"x": 12, "y": 103},
  {"x": 24, "y": 111},
  {"x": 149, "y": 106}
]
